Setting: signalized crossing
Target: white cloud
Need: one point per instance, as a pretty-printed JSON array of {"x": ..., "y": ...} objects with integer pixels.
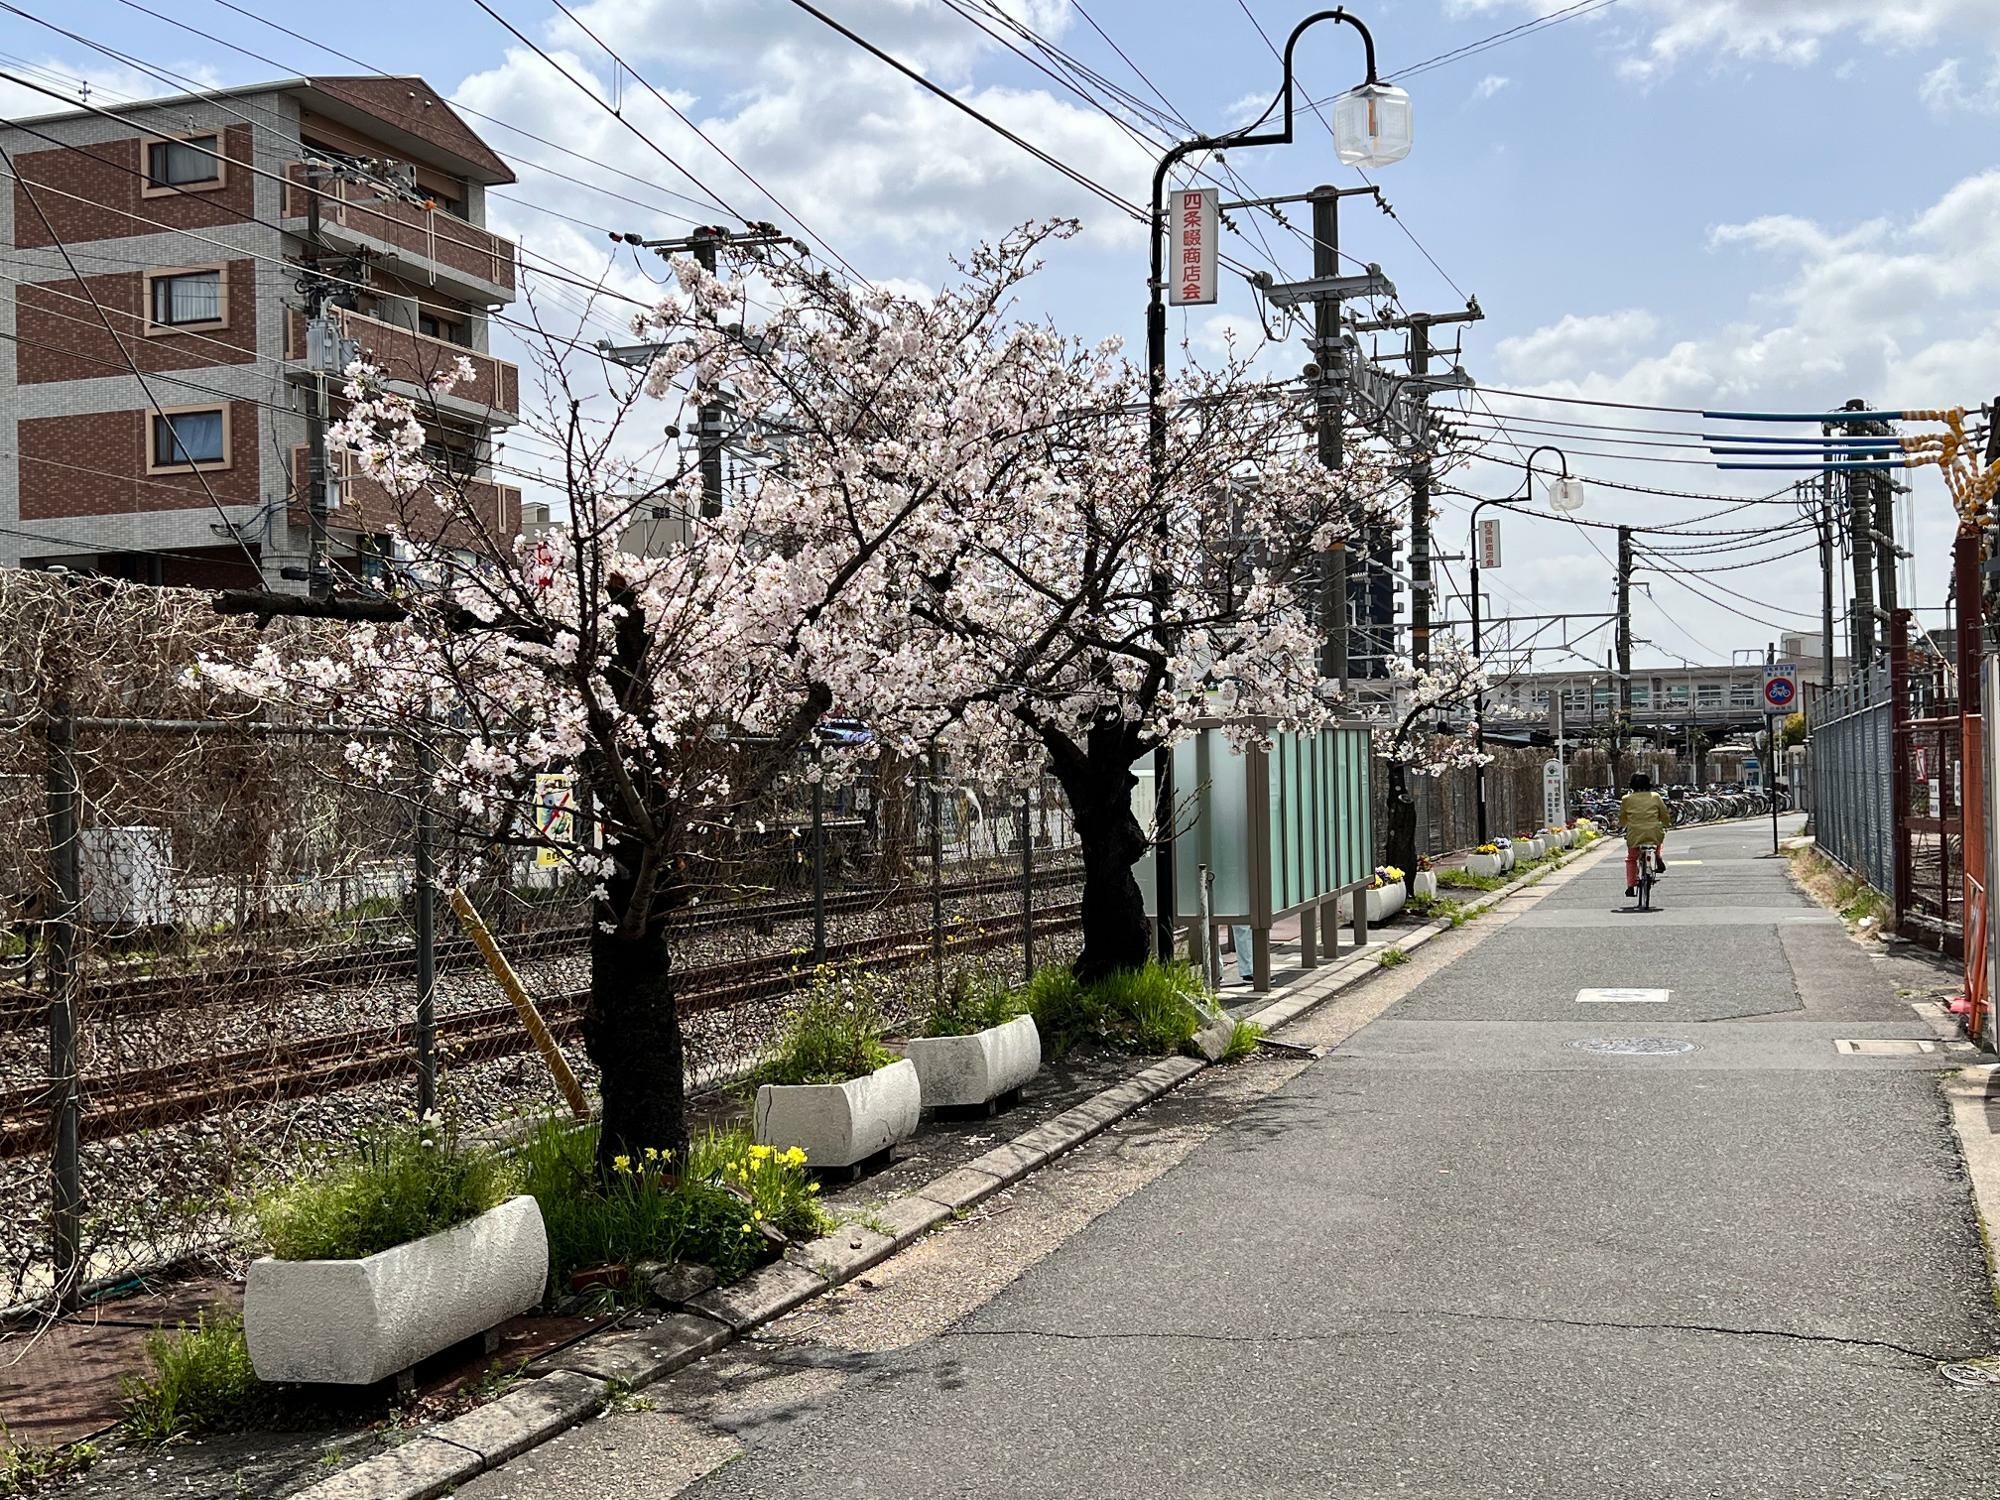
[
  {"x": 1672, "y": 32},
  {"x": 860, "y": 159},
  {"x": 109, "y": 85},
  {"x": 1572, "y": 346},
  {"x": 1944, "y": 91},
  {"x": 1488, "y": 86}
]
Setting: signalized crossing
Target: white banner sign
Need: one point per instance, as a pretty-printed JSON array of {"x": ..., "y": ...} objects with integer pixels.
[
  {"x": 1489, "y": 542},
  {"x": 1191, "y": 246}
]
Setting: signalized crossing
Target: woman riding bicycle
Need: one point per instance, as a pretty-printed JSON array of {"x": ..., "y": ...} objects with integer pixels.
[{"x": 1646, "y": 817}]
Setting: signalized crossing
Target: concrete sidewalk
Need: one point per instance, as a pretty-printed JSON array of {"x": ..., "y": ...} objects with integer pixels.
[{"x": 1500, "y": 1241}]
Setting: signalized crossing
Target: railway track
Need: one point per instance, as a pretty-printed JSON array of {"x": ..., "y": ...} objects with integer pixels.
[
  {"x": 135, "y": 1099},
  {"x": 225, "y": 978}
]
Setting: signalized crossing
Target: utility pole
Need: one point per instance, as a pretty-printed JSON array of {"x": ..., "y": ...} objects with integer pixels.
[
  {"x": 1420, "y": 384},
  {"x": 328, "y": 351},
  {"x": 1332, "y": 394},
  {"x": 1861, "y": 533},
  {"x": 704, "y": 243},
  {"x": 1624, "y": 726},
  {"x": 1420, "y": 513},
  {"x": 1827, "y": 561}
]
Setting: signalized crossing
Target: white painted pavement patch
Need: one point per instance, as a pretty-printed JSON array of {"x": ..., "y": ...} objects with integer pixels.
[
  {"x": 1898, "y": 1047},
  {"x": 1623, "y": 997}
]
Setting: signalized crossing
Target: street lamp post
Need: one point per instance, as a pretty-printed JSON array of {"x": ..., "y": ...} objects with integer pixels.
[
  {"x": 1568, "y": 497},
  {"x": 1371, "y": 128}
]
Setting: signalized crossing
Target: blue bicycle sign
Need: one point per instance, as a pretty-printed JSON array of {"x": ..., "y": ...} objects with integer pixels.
[{"x": 1781, "y": 686}]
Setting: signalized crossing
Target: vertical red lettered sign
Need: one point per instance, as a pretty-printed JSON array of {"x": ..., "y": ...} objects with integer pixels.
[
  {"x": 1489, "y": 543},
  {"x": 1191, "y": 245}
]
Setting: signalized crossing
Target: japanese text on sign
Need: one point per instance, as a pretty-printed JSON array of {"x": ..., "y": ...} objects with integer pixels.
[{"x": 1191, "y": 246}]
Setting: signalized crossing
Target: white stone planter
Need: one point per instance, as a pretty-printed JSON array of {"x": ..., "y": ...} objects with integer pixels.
[
  {"x": 954, "y": 1071},
  {"x": 1507, "y": 858},
  {"x": 1485, "y": 864},
  {"x": 839, "y": 1124},
  {"x": 1425, "y": 884},
  {"x": 1536, "y": 848},
  {"x": 354, "y": 1322},
  {"x": 1384, "y": 901}
]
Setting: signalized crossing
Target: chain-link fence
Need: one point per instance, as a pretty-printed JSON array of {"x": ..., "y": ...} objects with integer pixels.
[
  {"x": 219, "y": 942},
  {"x": 1850, "y": 768}
]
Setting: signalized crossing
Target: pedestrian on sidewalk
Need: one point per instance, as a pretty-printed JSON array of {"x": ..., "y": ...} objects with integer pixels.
[{"x": 1645, "y": 817}]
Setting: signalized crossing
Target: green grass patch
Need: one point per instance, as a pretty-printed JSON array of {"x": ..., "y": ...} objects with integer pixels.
[
  {"x": 394, "y": 1185},
  {"x": 835, "y": 1034},
  {"x": 25, "y": 1471},
  {"x": 731, "y": 1207},
  {"x": 198, "y": 1380},
  {"x": 1393, "y": 958},
  {"x": 1242, "y": 1041},
  {"x": 974, "y": 1000},
  {"x": 1465, "y": 880},
  {"x": 1155, "y": 1009}
]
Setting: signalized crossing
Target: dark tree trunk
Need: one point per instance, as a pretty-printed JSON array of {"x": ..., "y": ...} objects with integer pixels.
[
  {"x": 1402, "y": 841},
  {"x": 1098, "y": 784},
  {"x": 632, "y": 1032}
]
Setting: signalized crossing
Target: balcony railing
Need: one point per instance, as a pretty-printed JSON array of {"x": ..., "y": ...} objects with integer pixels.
[
  {"x": 424, "y": 234},
  {"x": 415, "y": 359}
]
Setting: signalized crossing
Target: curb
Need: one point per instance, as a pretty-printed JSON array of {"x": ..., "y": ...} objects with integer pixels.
[
  {"x": 575, "y": 1383},
  {"x": 1977, "y": 1123}
]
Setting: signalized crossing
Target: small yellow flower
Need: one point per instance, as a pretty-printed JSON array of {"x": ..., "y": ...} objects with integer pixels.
[
  {"x": 795, "y": 1157},
  {"x": 746, "y": 1228},
  {"x": 652, "y": 1154},
  {"x": 812, "y": 1187},
  {"x": 621, "y": 1163}
]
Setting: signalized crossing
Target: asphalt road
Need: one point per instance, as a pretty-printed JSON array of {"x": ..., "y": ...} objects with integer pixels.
[{"x": 1460, "y": 1256}]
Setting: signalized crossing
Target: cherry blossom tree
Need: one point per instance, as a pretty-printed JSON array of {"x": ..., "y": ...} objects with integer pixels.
[
  {"x": 1105, "y": 613},
  {"x": 1411, "y": 740}
]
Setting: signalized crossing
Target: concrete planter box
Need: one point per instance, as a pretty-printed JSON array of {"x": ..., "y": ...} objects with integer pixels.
[
  {"x": 1485, "y": 864},
  {"x": 1425, "y": 884},
  {"x": 1384, "y": 901},
  {"x": 964, "y": 1070},
  {"x": 1536, "y": 848},
  {"x": 839, "y": 1124},
  {"x": 354, "y": 1322}
]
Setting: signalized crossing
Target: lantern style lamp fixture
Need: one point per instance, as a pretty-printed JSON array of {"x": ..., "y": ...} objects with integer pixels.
[
  {"x": 1565, "y": 494},
  {"x": 1371, "y": 124}
]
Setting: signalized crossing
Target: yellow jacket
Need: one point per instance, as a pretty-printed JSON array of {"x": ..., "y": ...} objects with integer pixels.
[{"x": 1645, "y": 816}]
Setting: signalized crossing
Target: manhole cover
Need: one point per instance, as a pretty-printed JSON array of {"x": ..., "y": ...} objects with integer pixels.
[
  {"x": 1975, "y": 1374},
  {"x": 1632, "y": 1046}
]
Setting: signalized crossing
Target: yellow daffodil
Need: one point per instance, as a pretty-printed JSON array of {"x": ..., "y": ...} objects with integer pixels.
[{"x": 621, "y": 1163}]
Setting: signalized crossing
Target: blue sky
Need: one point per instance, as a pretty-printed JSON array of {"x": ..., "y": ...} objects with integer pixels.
[{"x": 1761, "y": 203}]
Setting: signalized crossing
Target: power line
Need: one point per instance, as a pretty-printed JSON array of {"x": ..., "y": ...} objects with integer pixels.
[{"x": 776, "y": 202}]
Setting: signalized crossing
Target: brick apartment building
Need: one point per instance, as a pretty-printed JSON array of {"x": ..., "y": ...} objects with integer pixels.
[{"x": 190, "y": 221}]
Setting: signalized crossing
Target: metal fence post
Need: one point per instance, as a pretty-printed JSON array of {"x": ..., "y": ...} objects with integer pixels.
[
  {"x": 59, "y": 959},
  {"x": 1027, "y": 887},
  {"x": 819, "y": 855},
  {"x": 937, "y": 871},
  {"x": 426, "y": 923}
]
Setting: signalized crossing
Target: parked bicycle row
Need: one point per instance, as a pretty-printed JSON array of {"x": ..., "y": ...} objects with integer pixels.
[{"x": 1714, "y": 803}]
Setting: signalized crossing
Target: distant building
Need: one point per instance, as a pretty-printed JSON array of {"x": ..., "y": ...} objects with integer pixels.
[{"x": 191, "y": 220}]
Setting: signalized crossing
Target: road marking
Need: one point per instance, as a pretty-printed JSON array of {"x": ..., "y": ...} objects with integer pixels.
[
  {"x": 1623, "y": 997},
  {"x": 1897, "y": 1047},
  {"x": 1672, "y": 862}
]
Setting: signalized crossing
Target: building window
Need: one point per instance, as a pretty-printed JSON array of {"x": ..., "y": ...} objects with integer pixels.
[
  {"x": 1708, "y": 694},
  {"x": 1642, "y": 696},
  {"x": 192, "y": 298},
  {"x": 452, "y": 331},
  {"x": 190, "y": 161},
  {"x": 1742, "y": 695},
  {"x": 191, "y": 438}
]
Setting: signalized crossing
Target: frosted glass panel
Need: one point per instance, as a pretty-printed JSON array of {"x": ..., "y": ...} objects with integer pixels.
[{"x": 1229, "y": 774}]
